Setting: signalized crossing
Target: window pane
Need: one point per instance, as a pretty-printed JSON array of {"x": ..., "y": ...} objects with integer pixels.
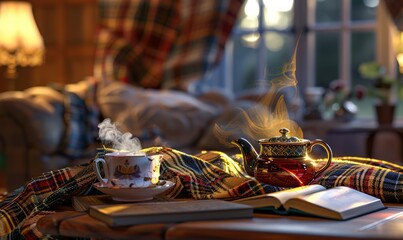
[
  {"x": 327, "y": 11},
  {"x": 248, "y": 16},
  {"x": 363, "y": 9},
  {"x": 278, "y": 14},
  {"x": 244, "y": 64},
  {"x": 327, "y": 58},
  {"x": 363, "y": 50},
  {"x": 280, "y": 48}
]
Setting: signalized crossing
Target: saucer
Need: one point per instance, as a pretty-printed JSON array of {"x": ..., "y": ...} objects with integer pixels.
[{"x": 135, "y": 194}]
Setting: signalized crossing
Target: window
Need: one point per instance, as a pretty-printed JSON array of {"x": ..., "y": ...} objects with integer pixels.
[
  {"x": 333, "y": 37},
  {"x": 343, "y": 38},
  {"x": 261, "y": 43}
]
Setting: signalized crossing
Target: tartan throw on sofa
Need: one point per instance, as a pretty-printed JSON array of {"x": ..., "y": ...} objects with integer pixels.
[
  {"x": 162, "y": 43},
  {"x": 196, "y": 177}
]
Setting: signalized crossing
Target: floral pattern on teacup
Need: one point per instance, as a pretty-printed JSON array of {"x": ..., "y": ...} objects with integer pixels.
[{"x": 127, "y": 171}]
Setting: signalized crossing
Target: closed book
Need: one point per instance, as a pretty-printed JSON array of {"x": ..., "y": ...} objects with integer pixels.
[
  {"x": 339, "y": 203},
  {"x": 83, "y": 203},
  {"x": 162, "y": 212}
]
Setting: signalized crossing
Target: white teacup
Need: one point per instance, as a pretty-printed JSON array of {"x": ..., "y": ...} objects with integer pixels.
[{"x": 129, "y": 170}]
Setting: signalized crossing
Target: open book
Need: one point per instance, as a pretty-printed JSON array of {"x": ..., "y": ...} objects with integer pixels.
[{"x": 335, "y": 203}]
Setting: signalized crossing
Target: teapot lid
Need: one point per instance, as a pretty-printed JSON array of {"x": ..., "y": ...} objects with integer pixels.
[{"x": 284, "y": 138}]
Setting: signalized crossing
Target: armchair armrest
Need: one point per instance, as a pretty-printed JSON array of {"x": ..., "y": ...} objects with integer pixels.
[
  {"x": 38, "y": 112},
  {"x": 31, "y": 124}
]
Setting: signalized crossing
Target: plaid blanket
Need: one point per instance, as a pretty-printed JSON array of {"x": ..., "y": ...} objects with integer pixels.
[
  {"x": 162, "y": 44},
  {"x": 81, "y": 118},
  {"x": 210, "y": 175}
]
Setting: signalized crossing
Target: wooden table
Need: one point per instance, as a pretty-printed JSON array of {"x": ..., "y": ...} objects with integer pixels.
[{"x": 384, "y": 224}]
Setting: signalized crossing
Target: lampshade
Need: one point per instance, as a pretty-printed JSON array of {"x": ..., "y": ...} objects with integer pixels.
[{"x": 21, "y": 44}]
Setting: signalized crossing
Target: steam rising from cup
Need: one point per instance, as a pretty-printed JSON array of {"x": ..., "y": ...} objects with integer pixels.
[{"x": 110, "y": 135}]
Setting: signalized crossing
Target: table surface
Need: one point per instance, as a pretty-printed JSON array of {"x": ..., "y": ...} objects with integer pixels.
[{"x": 384, "y": 224}]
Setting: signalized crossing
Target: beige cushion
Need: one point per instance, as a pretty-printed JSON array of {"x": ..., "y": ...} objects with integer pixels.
[{"x": 180, "y": 117}]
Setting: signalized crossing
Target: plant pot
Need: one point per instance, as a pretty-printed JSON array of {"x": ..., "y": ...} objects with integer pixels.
[{"x": 385, "y": 114}]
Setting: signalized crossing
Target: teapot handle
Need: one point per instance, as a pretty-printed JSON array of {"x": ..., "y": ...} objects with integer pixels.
[{"x": 328, "y": 152}]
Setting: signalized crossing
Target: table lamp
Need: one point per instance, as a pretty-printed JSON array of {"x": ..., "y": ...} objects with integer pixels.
[{"x": 21, "y": 44}]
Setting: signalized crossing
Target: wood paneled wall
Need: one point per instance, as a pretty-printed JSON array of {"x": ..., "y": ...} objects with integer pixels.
[{"x": 69, "y": 31}]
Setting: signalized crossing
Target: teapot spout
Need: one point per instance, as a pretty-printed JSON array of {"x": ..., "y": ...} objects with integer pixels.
[{"x": 249, "y": 155}]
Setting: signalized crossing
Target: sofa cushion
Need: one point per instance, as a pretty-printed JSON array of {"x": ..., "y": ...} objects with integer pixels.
[{"x": 179, "y": 117}]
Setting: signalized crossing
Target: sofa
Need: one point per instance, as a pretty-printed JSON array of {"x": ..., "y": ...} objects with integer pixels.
[{"x": 51, "y": 127}]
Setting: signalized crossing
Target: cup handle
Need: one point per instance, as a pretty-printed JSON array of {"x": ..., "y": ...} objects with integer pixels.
[
  {"x": 97, "y": 171},
  {"x": 328, "y": 152}
]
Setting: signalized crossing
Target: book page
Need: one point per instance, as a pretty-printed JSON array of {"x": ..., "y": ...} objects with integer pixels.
[
  {"x": 284, "y": 195},
  {"x": 277, "y": 199},
  {"x": 338, "y": 203}
]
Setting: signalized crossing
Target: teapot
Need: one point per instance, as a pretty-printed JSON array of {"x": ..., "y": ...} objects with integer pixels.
[{"x": 283, "y": 161}]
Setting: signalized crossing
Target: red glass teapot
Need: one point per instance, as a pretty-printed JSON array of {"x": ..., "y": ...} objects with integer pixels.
[{"x": 283, "y": 161}]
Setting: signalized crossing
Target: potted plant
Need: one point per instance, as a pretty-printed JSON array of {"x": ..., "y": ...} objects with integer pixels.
[
  {"x": 338, "y": 99},
  {"x": 383, "y": 90}
]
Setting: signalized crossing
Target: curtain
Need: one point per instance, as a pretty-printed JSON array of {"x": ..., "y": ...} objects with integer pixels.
[
  {"x": 162, "y": 43},
  {"x": 386, "y": 34},
  {"x": 395, "y": 10}
]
